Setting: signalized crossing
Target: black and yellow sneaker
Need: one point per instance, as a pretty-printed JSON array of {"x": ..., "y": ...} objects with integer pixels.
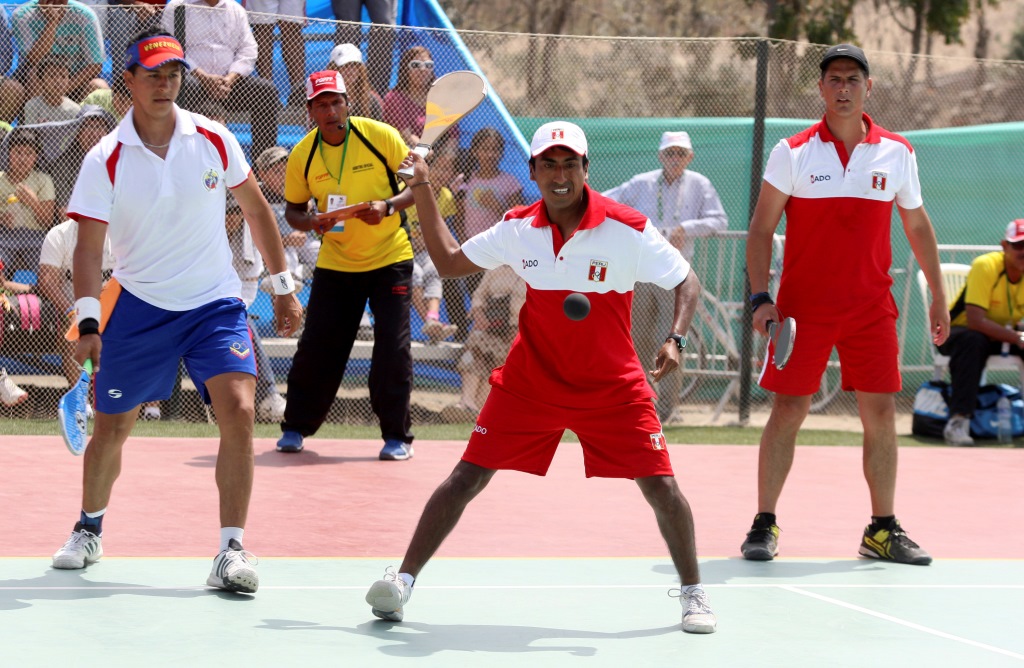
[
  {"x": 762, "y": 543},
  {"x": 892, "y": 544}
]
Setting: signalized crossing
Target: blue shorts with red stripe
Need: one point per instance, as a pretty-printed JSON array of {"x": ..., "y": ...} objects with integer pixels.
[
  {"x": 520, "y": 434},
  {"x": 143, "y": 343},
  {"x": 868, "y": 348}
]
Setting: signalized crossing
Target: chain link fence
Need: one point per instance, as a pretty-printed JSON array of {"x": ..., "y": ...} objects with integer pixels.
[{"x": 964, "y": 117}]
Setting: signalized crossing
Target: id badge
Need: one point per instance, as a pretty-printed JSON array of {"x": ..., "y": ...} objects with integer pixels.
[{"x": 335, "y": 202}]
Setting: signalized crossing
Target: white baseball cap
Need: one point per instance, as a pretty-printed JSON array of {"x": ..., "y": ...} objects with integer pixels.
[
  {"x": 346, "y": 53},
  {"x": 680, "y": 139},
  {"x": 558, "y": 133}
]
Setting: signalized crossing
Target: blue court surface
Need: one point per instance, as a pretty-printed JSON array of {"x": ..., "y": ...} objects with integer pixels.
[{"x": 506, "y": 612}]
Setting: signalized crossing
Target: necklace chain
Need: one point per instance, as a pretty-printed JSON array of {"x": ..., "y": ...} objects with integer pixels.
[{"x": 154, "y": 145}]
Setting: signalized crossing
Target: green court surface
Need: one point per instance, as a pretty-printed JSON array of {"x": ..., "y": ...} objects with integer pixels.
[{"x": 508, "y": 612}]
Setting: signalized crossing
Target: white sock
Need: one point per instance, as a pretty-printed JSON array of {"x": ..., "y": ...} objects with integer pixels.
[
  {"x": 408, "y": 579},
  {"x": 227, "y": 533}
]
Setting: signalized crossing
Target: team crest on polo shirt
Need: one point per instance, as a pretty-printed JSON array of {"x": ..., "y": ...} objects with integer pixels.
[
  {"x": 878, "y": 180},
  {"x": 239, "y": 350},
  {"x": 658, "y": 441},
  {"x": 210, "y": 179},
  {"x": 598, "y": 271}
]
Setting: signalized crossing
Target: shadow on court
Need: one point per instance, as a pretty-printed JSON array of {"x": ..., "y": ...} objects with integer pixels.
[
  {"x": 725, "y": 571},
  {"x": 274, "y": 459},
  {"x": 418, "y": 639}
]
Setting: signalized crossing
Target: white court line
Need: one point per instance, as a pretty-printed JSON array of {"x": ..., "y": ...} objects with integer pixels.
[
  {"x": 524, "y": 587},
  {"x": 903, "y": 622}
]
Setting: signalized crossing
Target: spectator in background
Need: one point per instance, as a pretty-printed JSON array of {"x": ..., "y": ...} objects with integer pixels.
[
  {"x": 300, "y": 248},
  {"x": 381, "y": 40},
  {"x": 405, "y": 105},
  {"x": 222, "y": 51},
  {"x": 363, "y": 100},
  {"x": 115, "y": 100},
  {"x": 26, "y": 202},
  {"x": 495, "y": 316},
  {"x": 483, "y": 196},
  {"x": 65, "y": 28},
  {"x": 683, "y": 205},
  {"x": 12, "y": 93},
  {"x": 124, "y": 19},
  {"x": 983, "y": 322},
  {"x": 290, "y": 17},
  {"x": 87, "y": 130},
  {"x": 52, "y": 103},
  {"x": 10, "y": 393},
  {"x": 246, "y": 260}
]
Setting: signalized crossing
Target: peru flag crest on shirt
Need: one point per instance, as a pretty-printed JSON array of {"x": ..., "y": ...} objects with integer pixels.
[{"x": 598, "y": 271}]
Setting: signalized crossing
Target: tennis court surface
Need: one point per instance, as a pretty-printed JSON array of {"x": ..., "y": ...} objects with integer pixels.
[{"x": 556, "y": 571}]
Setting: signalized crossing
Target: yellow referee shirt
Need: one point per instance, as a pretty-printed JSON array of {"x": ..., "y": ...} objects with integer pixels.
[
  {"x": 988, "y": 288},
  {"x": 357, "y": 175}
]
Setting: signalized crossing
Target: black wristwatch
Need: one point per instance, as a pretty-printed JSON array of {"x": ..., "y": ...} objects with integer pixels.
[
  {"x": 679, "y": 339},
  {"x": 389, "y": 207}
]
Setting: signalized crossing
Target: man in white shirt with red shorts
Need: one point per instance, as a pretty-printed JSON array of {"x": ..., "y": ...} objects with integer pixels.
[
  {"x": 157, "y": 186},
  {"x": 836, "y": 183},
  {"x": 564, "y": 373}
]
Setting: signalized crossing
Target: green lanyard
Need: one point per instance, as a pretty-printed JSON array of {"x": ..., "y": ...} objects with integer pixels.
[
  {"x": 1009, "y": 302},
  {"x": 344, "y": 152}
]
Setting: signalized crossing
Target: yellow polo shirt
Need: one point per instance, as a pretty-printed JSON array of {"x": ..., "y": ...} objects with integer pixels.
[
  {"x": 362, "y": 178},
  {"x": 988, "y": 288}
]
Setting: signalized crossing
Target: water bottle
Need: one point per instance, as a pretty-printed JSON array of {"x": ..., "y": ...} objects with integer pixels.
[
  {"x": 1004, "y": 427},
  {"x": 1005, "y": 350}
]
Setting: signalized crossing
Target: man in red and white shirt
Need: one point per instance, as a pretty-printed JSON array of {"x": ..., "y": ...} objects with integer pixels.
[
  {"x": 582, "y": 375},
  {"x": 837, "y": 182}
]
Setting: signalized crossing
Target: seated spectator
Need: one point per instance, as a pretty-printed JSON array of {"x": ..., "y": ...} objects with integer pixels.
[
  {"x": 405, "y": 105},
  {"x": 12, "y": 93},
  {"x": 495, "y": 315},
  {"x": 26, "y": 202},
  {"x": 983, "y": 320},
  {"x": 52, "y": 104},
  {"x": 300, "y": 248},
  {"x": 55, "y": 265},
  {"x": 222, "y": 51},
  {"x": 114, "y": 100},
  {"x": 65, "y": 28},
  {"x": 290, "y": 17},
  {"x": 381, "y": 40},
  {"x": 81, "y": 135},
  {"x": 247, "y": 262},
  {"x": 363, "y": 100}
]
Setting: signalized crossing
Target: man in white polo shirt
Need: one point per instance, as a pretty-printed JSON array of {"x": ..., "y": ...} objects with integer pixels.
[
  {"x": 157, "y": 186},
  {"x": 578, "y": 374},
  {"x": 836, "y": 182},
  {"x": 683, "y": 205}
]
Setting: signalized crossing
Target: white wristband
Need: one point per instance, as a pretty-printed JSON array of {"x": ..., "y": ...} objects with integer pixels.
[
  {"x": 87, "y": 307},
  {"x": 283, "y": 283}
]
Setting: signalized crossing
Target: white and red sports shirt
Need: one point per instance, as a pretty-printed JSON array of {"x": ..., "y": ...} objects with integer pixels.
[
  {"x": 838, "y": 218},
  {"x": 587, "y": 363},
  {"x": 165, "y": 218}
]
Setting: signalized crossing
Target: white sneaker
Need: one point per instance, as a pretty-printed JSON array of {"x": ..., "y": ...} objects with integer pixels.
[
  {"x": 435, "y": 330},
  {"x": 697, "y": 614},
  {"x": 387, "y": 597},
  {"x": 272, "y": 408},
  {"x": 233, "y": 570},
  {"x": 151, "y": 413},
  {"x": 82, "y": 549},
  {"x": 958, "y": 431},
  {"x": 10, "y": 394}
]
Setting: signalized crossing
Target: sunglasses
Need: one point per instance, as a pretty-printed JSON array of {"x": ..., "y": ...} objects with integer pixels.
[
  {"x": 421, "y": 64},
  {"x": 1016, "y": 245}
]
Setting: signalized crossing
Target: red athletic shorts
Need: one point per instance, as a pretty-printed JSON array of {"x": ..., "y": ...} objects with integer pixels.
[
  {"x": 514, "y": 433},
  {"x": 868, "y": 356}
]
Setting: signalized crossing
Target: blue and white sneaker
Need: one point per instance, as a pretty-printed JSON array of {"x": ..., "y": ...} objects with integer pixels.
[
  {"x": 290, "y": 441},
  {"x": 393, "y": 450},
  {"x": 82, "y": 548},
  {"x": 387, "y": 597},
  {"x": 697, "y": 614},
  {"x": 234, "y": 570}
]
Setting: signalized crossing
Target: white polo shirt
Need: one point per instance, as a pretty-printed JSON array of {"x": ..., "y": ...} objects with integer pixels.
[
  {"x": 165, "y": 217},
  {"x": 588, "y": 363},
  {"x": 839, "y": 218}
]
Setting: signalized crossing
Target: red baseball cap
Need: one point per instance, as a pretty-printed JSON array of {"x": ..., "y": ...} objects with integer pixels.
[
  {"x": 1015, "y": 230},
  {"x": 153, "y": 52},
  {"x": 326, "y": 81}
]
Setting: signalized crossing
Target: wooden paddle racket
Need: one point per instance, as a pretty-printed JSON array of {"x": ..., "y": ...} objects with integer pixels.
[
  {"x": 449, "y": 99},
  {"x": 783, "y": 337}
]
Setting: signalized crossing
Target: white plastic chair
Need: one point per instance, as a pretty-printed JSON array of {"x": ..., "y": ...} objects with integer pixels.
[{"x": 954, "y": 276}]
